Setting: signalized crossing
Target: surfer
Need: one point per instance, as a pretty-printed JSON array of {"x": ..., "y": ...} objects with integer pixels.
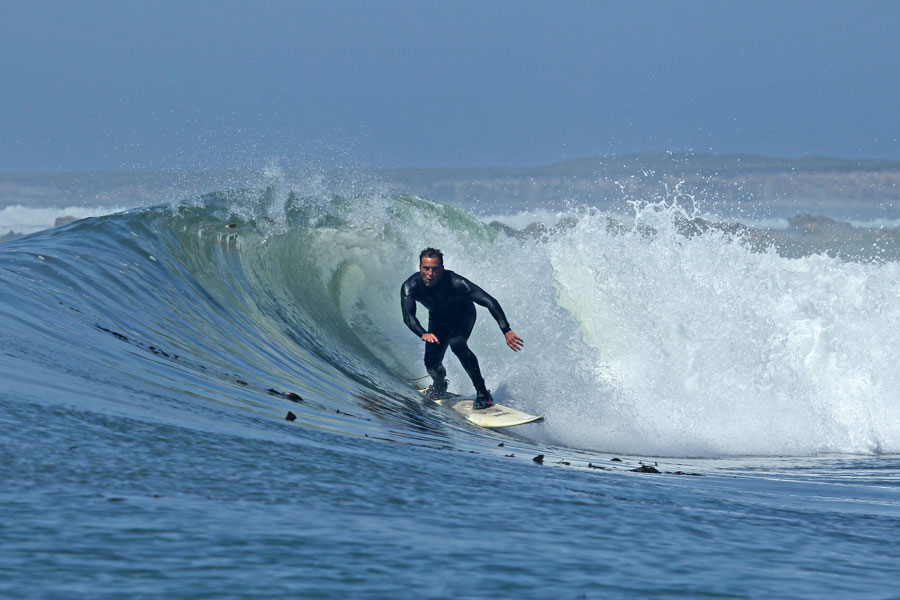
[{"x": 450, "y": 299}]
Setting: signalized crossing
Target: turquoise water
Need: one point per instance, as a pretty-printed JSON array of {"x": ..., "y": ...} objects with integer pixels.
[{"x": 146, "y": 453}]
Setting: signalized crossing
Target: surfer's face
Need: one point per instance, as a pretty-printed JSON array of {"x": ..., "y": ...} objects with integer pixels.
[{"x": 431, "y": 270}]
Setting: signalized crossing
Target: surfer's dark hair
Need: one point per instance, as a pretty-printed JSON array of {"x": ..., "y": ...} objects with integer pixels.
[{"x": 431, "y": 253}]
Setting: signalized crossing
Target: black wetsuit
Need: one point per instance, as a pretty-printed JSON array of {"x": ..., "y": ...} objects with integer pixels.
[{"x": 451, "y": 317}]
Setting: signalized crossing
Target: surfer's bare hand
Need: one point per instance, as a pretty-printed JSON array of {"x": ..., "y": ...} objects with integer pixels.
[
  {"x": 430, "y": 338},
  {"x": 513, "y": 341}
]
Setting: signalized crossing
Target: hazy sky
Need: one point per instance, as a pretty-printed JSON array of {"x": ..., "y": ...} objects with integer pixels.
[{"x": 190, "y": 84}]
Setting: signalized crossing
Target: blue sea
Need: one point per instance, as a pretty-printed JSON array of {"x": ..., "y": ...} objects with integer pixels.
[{"x": 722, "y": 416}]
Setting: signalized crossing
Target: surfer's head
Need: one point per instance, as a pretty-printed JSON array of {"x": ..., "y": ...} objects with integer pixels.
[{"x": 431, "y": 266}]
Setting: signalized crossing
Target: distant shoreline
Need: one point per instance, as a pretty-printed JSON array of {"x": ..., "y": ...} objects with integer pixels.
[{"x": 776, "y": 185}]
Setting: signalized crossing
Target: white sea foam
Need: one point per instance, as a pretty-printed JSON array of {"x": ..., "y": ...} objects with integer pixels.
[
  {"x": 876, "y": 223},
  {"x": 521, "y": 220},
  {"x": 22, "y": 219},
  {"x": 755, "y": 223},
  {"x": 700, "y": 346}
]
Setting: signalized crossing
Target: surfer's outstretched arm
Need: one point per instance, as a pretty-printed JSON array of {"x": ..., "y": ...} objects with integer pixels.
[{"x": 479, "y": 296}]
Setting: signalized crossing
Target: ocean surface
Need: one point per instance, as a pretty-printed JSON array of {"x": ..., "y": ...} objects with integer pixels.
[{"x": 722, "y": 412}]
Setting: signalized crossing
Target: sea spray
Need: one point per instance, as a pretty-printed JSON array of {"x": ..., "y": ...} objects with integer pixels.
[{"x": 715, "y": 348}]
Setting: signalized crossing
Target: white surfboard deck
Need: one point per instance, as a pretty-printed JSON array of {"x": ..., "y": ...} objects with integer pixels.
[{"x": 493, "y": 417}]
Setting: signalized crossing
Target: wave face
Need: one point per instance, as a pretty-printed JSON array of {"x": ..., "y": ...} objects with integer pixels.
[{"x": 639, "y": 339}]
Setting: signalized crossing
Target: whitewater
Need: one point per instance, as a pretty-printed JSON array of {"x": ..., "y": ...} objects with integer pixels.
[{"x": 721, "y": 418}]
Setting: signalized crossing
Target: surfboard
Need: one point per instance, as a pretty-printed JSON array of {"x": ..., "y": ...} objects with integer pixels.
[{"x": 493, "y": 417}]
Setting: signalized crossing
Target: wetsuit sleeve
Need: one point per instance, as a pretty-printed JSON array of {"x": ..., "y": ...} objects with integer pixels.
[
  {"x": 408, "y": 306},
  {"x": 479, "y": 296}
]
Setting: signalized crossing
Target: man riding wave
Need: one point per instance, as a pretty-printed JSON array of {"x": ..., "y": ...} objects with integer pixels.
[{"x": 450, "y": 299}]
